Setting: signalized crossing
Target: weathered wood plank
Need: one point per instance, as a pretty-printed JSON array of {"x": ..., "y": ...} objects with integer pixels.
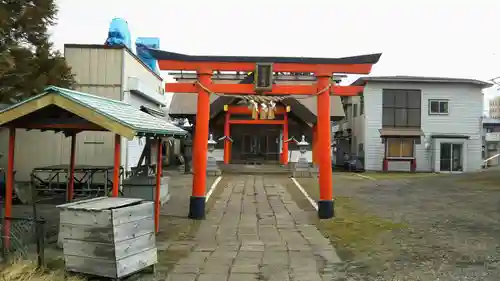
[
  {"x": 109, "y": 251},
  {"x": 133, "y": 229},
  {"x": 102, "y": 218},
  {"x": 136, "y": 263},
  {"x": 135, "y": 245},
  {"x": 67, "y": 205},
  {"x": 108, "y": 237},
  {"x": 132, "y": 213},
  {"x": 86, "y": 233},
  {"x": 92, "y": 266},
  {"x": 106, "y": 203}
]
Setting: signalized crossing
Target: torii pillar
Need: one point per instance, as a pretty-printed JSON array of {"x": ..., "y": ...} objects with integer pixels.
[
  {"x": 200, "y": 147},
  {"x": 325, "y": 203}
]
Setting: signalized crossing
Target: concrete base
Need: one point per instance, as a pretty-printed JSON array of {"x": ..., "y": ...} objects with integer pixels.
[
  {"x": 212, "y": 167},
  {"x": 302, "y": 169}
]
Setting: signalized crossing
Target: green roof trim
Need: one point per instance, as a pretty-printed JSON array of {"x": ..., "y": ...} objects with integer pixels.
[{"x": 127, "y": 115}]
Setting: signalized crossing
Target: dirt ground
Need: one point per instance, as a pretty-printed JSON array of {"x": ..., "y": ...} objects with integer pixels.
[{"x": 424, "y": 227}]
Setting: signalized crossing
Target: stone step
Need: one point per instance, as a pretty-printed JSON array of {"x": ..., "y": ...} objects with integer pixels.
[{"x": 255, "y": 169}]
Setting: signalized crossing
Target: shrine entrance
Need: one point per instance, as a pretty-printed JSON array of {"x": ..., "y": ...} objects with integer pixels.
[
  {"x": 260, "y": 83},
  {"x": 255, "y": 144}
]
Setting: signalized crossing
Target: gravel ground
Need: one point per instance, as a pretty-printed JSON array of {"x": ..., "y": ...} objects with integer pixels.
[{"x": 450, "y": 226}]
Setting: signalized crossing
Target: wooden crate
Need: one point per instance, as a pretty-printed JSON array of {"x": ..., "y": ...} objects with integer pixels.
[
  {"x": 144, "y": 187},
  {"x": 108, "y": 237}
]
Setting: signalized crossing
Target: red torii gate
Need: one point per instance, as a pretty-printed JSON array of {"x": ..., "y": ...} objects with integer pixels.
[{"x": 322, "y": 68}]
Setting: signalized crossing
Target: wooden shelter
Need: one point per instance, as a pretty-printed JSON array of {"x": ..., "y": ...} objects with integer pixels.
[
  {"x": 71, "y": 112},
  {"x": 261, "y": 85}
]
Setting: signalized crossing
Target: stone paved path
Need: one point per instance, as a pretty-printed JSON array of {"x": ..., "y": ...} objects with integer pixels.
[{"x": 256, "y": 232}]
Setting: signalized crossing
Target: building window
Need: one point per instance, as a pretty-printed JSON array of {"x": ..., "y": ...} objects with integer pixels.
[
  {"x": 401, "y": 108},
  {"x": 399, "y": 147},
  {"x": 354, "y": 110},
  {"x": 438, "y": 107}
]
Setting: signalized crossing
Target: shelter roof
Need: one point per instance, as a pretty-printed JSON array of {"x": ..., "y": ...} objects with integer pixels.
[{"x": 111, "y": 115}]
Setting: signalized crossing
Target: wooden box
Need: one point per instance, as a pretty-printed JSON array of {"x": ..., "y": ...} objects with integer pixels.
[
  {"x": 144, "y": 187},
  {"x": 108, "y": 237}
]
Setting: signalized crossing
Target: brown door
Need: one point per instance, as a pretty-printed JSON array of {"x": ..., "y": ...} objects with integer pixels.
[{"x": 255, "y": 143}]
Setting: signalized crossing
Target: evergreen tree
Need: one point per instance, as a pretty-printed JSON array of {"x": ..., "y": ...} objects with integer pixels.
[{"x": 28, "y": 62}]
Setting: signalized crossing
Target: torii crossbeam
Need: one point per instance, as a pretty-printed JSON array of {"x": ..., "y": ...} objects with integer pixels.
[{"x": 322, "y": 68}]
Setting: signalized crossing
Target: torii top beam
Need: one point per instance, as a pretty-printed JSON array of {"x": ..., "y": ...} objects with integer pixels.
[{"x": 352, "y": 65}]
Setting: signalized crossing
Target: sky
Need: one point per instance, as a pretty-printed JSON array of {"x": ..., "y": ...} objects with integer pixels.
[{"x": 424, "y": 37}]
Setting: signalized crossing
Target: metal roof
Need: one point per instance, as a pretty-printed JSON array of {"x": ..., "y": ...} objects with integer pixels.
[
  {"x": 420, "y": 79},
  {"x": 141, "y": 123}
]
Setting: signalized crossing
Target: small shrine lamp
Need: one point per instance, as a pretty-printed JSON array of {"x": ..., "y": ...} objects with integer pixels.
[
  {"x": 211, "y": 143},
  {"x": 303, "y": 146},
  {"x": 334, "y": 146}
]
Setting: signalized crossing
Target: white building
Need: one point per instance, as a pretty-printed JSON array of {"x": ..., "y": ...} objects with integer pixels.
[
  {"x": 405, "y": 123},
  {"x": 112, "y": 72}
]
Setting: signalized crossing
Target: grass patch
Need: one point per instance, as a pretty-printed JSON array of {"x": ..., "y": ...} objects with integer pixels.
[
  {"x": 490, "y": 179},
  {"x": 355, "y": 233},
  {"x": 397, "y": 175},
  {"x": 26, "y": 270}
]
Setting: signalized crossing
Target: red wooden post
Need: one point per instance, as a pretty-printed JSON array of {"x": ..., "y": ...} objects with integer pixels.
[
  {"x": 325, "y": 204},
  {"x": 9, "y": 186},
  {"x": 227, "y": 143},
  {"x": 71, "y": 179},
  {"x": 116, "y": 166},
  {"x": 159, "y": 171},
  {"x": 197, "y": 200},
  {"x": 315, "y": 144},
  {"x": 284, "y": 156}
]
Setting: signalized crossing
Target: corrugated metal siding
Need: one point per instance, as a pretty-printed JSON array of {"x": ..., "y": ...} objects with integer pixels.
[
  {"x": 96, "y": 67},
  {"x": 99, "y": 72},
  {"x": 466, "y": 106}
]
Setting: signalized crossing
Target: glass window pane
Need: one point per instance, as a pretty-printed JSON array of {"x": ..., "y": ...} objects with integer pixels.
[
  {"x": 401, "y": 117},
  {"x": 443, "y": 107},
  {"x": 434, "y": 106},
  {"x": 413, "y": 117},
  {"x": 387, "y": 97},
  {"x": 407, "y": 147},
  {"x": 401, "y": 99},
  {"x": 394, "y": 147},
  {"x": 387, "y": 117},
  {"x": 414, "y": 99}
]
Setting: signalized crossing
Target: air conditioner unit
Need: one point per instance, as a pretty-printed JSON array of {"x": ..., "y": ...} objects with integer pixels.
[{"x": 263, "y": 77}]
